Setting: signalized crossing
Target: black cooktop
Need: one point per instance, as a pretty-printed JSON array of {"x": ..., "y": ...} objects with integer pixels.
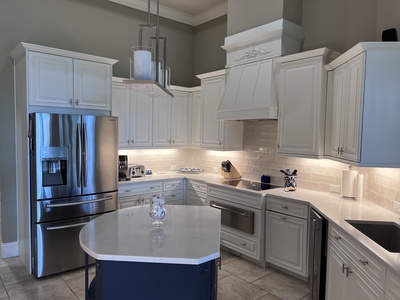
[{"x": 248, "y": 184}]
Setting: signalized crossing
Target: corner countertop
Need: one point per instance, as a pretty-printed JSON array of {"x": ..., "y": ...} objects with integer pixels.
[
  {"x": 189, "y": 235},
  {"x": 337, "y": 210}
]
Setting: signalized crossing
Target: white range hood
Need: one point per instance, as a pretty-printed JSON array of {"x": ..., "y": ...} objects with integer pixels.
[{"x": 250, "y": 92}]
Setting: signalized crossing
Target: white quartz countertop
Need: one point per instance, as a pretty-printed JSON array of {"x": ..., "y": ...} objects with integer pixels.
[
  {"x": 337, "y": 210},
  {"x": 189, "y": 235}
]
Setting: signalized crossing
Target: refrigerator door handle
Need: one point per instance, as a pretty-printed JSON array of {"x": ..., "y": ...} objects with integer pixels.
[
  {"x": 66, "y": 226},
  {"x": 85, "y": 158},
  {"x": 79, "y": 203},
  {"x": 79, "y": 155}
]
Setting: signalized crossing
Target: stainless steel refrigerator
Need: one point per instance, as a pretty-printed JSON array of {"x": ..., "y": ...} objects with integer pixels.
[{"x": 73, "y": 179}]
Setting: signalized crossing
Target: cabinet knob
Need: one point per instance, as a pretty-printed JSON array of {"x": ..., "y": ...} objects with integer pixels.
[
  {"x": 77, "y": 102},
  {"x": 70, "y": 101},
  {"x": 133, "y": 141},
  {"x": 337, "y": 237},
  {"x": 243, "y": 244},
  {"x": 220, "y": 143},
  {"x": 173, "y": 141}
]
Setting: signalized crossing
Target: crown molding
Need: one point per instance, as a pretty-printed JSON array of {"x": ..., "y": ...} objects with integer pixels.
[{"x": 175, "y": 15}]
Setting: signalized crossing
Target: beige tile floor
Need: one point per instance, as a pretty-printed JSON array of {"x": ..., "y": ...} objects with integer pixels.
[{"x": 238, "y": 280}]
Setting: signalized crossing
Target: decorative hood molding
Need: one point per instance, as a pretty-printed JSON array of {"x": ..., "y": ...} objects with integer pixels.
[{"x": 250, "y": 91}]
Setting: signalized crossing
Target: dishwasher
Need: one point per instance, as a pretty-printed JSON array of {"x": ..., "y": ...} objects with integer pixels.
[{"x": 317, "y": 255}]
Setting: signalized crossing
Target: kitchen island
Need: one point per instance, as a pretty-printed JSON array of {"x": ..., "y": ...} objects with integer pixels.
[{"x": 134, "y": 259}]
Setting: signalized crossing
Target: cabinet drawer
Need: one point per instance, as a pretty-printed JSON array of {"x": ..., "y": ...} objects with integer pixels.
[
  {"x": 170, "y": 185},
  {"x": 197, "y": 186},
  {"x": 365, "y": 261},
  {"x": 240, "y": 244},
  {"x": 288, "y": 207},
  {"x": 173, "y": 196},
  {"x": 140, "y": 188}
]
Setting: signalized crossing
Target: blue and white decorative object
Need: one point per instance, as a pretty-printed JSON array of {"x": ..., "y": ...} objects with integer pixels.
[{"x": 157, "y": 209}]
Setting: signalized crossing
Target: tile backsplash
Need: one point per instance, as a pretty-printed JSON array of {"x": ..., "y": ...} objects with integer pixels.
[{"x": 381, "y": 185}]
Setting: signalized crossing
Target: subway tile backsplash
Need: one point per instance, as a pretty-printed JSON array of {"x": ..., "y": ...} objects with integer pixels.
[{"x": 259, "y": 156}]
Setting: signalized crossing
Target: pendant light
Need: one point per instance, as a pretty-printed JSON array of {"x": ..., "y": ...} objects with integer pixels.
[{"x": 148, "y": 71}]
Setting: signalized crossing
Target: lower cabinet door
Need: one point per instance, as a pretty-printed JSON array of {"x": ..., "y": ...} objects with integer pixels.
[
  {"x": 346, "y": 281},
  {"x": 286, "y": 242}
]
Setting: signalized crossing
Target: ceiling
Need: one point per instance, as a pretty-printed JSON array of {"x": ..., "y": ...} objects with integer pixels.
[{"x": 191, "y": 12}]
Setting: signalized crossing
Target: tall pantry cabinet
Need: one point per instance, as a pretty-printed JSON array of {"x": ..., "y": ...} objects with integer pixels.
[{"x": 55, "y": 81}]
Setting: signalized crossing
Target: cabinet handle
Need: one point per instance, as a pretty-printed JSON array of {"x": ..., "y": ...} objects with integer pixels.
[
  {"x": 173, "y": 141},
  {"x": 285, "y": 207},
  {"x": 338, "y": 238},
  {"x": 344, "y": 267},
  {"x": 133, "y": 141},
  {"x": 219, "y": 263},
  {"x": 152, "y": 187},
  {"x": 243, "y": 244},
  {"x": 220, "y": 143},
  {"x": 364, "y": 262},
  {"x": 278, "y": 145},
  {"x": 77, "y": 102},
  {"x": 128, "y": 191},
  {"x": 348, "y": 271},
  {"x": 129, "y": 142},
  {"x": 341, "y": 150},
  {"x": 283, "y": 218},
  {"x": 70, "y": 101}
]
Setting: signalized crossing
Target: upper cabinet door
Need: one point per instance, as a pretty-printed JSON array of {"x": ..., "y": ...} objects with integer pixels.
[
  {"x": 302, "y": 88},
  {"x": 162, "y": 122},
  {"x": 141, "y": 117},
  {"x": 344, "y": 109},
  {"x": 180, "y": 121},
  {"x": 50, "y": 80},
  {"x": 195, "y": 120},
  {"x": 92, "y": 85},
  {"x": 212, "y": 129},
  {"x": 121, "y": 107}
]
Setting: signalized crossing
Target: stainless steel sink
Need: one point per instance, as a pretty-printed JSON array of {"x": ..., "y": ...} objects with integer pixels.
[{"x": 386, "y": 234}]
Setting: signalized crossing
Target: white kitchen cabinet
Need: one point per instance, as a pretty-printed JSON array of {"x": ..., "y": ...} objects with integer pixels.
[
  {"x": 195, "y": 114},
  {"x": 62, "y": 81},
  {"x": 302, "y": 102},
  {"x": 135, "y": 116},
  {"x": 392, "y": 287},
  {"x": 286, "y": 235},
  {"x": 217, "y": 134},
  {"x": 345, "y": 107},
  {"x": 196, "y": 193},
  {"x": 352, "y": 268},
  {"x": 137, "y": 193},
  {"x": 174, "y": 191},
  {"x": 171, "y": 120},
  {"x": 345, "y": 280},
  {"x": 362, "y": 108}
]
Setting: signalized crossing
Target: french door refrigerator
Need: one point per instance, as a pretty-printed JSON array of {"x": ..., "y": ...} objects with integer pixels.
[{"x": 73, "y": 179}]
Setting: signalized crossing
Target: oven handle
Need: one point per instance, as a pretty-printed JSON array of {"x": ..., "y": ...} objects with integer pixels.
[
  {"x": 66, "y": 226},
  {"x": 79, "y": 203},
  {"x": 231, "y": 210}
]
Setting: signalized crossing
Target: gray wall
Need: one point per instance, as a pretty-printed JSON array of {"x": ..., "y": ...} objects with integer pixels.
[
  {"x": 208, "y": 54},
  {"x": 97, "y": 27}
]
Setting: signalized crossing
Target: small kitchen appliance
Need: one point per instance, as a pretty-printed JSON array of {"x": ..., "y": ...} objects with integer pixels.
[
  {"x": 123, "y": 168},
  {"x": 136, "y": 171}
]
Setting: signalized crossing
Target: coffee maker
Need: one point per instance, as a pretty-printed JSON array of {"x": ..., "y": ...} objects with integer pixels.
[{"x": 123, "y": 168}]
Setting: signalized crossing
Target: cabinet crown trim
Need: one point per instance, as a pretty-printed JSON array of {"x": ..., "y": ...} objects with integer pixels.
[{"x": 22, "y": 48}]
